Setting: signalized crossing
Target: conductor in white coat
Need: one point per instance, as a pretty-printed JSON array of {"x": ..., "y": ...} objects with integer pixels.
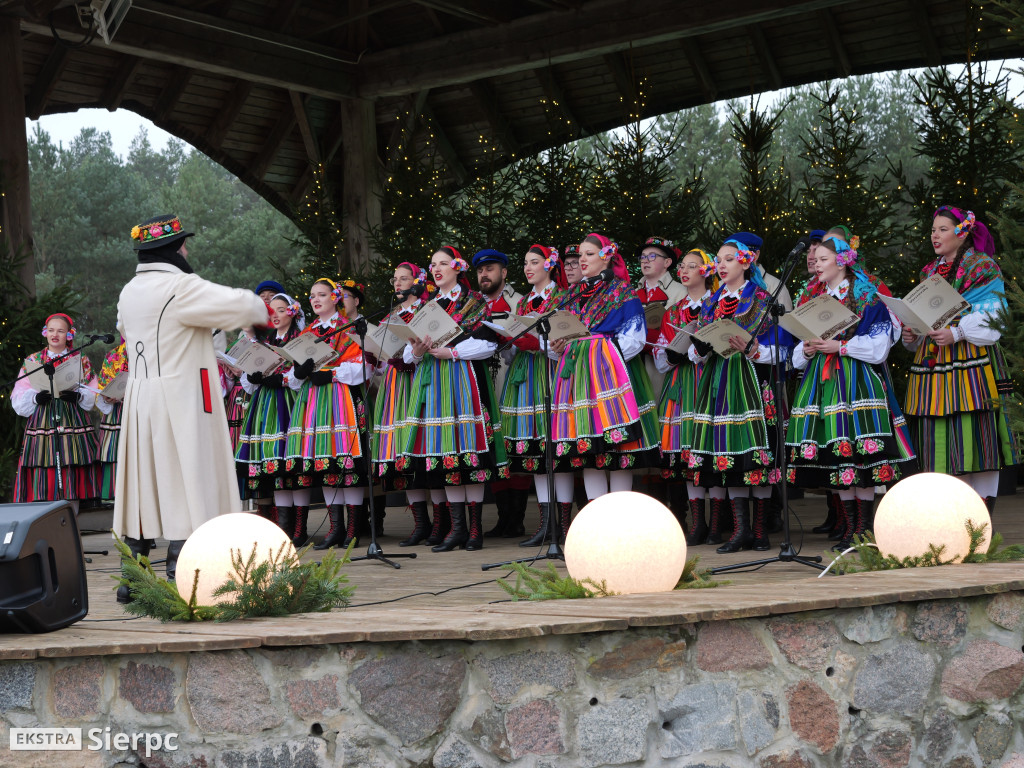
[{"x": 175, "y": 465}]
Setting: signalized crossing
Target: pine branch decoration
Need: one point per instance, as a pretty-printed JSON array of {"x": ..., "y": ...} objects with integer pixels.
[{"x": 279, "y": 586}]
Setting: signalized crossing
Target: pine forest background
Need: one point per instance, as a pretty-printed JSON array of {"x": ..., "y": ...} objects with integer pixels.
[{"x": 876, "y": 153}]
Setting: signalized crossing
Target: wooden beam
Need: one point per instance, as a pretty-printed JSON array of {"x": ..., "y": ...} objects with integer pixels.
[
  {"x": 175, "y": 85},
  {"x": 301, "y": 187},
  {"x": 556, "y": 37},
  {"x": 691, "y": 49},
  {"x": 764, "y": 54},
  {"x": 472, "y": 10},
  {"x": 500, "y": 127},
  {"x": 557, "y": 101},
  {"x": 376, "y": 7},
  {"x": 361, "y": 183},
  {"x": 113, "y": 94},
  {"x": 923, "y": 26},
  {"x": 444, "y": 146},
  {"x": 15, "y": 205},
  {"x": 835, "y": 43},
  {"x": 261, "y": 163},
  {"x": 406, "y": 124},
  {"x": 622, "y": 76},
  {"x": 308, "y": 139},
  {"x": 172, "y": 34},
  {"x": 357, "y": 29},
  {"x": 46, "y": 80},
  {"x": 283, "y": 14},
  {"x": 230, "y": 110}
]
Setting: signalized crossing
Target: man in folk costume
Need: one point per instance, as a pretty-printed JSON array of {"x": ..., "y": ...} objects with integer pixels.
[
  {"x": 657, "y": 260},
  {"x": 502, "y": 299},
  {"x": 174, "y": 457}
]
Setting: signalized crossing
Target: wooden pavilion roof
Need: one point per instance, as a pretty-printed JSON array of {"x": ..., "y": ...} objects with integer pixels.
[{"x": 257, "y": 85}]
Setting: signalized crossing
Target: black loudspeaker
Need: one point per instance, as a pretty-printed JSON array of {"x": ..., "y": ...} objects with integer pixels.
[{"x": 42, "y": 570}]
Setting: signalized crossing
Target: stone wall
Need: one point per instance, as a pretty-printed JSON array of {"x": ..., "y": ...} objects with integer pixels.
[{"x": 913, "y": 684}]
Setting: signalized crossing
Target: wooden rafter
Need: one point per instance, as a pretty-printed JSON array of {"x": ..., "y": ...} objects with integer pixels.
[
  {"x": 473, "y": 10},
  {"x": 46, "y": 81},
  {"x": 603, "y": 26},
  {"x": 622, "y": 76},
  {"x": 230, "y": 111},
  {"x": 923, "y": 26},
  {"x": 305, "y": 128},
  {"x": 556, "y": 100},
  {"x": 376, "y": 7},
  {"x": 284, "y": 125},
  {"x": 224, "y": 47},
  {"x": 500, "y": 127},
  {"x": 691, "y": 49},
  {"x": 406, "y": 123},
  {"x": 113, "y": 94},
  {"x": 835, "y": 42},
  {"x": 764, "y": 55},
  {"x": 444, "y": 146},
  {"x": 282, "y": 16},
  {"x": 171, "y": 93}
]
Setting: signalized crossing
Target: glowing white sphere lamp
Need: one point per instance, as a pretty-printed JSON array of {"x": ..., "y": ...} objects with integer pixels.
[
  {"x": 210, "y": 547},
  {"x": 630, "y": 541},
  {"x": 930, "y": 508}
]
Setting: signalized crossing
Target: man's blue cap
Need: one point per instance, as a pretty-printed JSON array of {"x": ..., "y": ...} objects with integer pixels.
[
  {"x": 816, "y": 235},
  {"x": 269, "y": 285},
  {"x": 749, "y": 239},
  {"x": 489, "y": 256}
]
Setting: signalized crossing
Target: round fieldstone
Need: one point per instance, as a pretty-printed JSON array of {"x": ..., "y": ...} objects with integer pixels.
[
  {"x": 992, "y": 736},
  {"x": 613, "y": 733},
  {"x": 896, "y": 681},
  {"x": 806, "y": 644},
  {"x": 506, "y": 675},
  {"x": 76, "y": 689},
  {"x": 535, "y": 728},
  {"x": 891, "y": 749},
  {"x": 942, "y": 622},
  {"x": 410, "y": 694},
  {"x": 312, "y": 698},
  {"x": 1006, "y": 609},
  {"x": 148, "y": 687},
  {"x": 227, "y": 695},
  {"x": 724, "y": 646},
  {"x": 628, "y": 660},
  {"x": 985, "y": 671},
  {"x": 17, "y": 682},
  {"x": 813, "y": 715}
]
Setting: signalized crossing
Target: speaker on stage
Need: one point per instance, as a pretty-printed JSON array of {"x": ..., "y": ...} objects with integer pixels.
[{"x": 42, "y": 570}]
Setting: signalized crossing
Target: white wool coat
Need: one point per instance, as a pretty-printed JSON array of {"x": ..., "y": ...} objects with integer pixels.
[{"x": 175, "y": 467}]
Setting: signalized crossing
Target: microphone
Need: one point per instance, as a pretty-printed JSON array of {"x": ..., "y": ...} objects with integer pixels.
[
  {"x": 106, "y": 338},
  {"x": 417, "y": 290},
  {"x": 607, "y": 274},
  {"x": 799, "y": 248}
]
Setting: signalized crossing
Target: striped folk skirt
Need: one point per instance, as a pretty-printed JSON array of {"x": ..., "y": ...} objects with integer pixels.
[
  {"x": 675, "y": 420},
  {"x": 603, "y": 411},
  {"x": 325, "y": 433},
  {"x": 953, "y": 407},
  {"x": 235, "y": 406},
  {"x": 76, "y": 443},
  {"x": 389, "y": 414},
  {"x": 262, "y": 441},
  {"x": 450, "y": 436},
  {"x": 842, "y": 431},
  {"x": 734, "y": 425},
  {"x": 523, "y": 420},
  {"x": 106, "y": 455}
]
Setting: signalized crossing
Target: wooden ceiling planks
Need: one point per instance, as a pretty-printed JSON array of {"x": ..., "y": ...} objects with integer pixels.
[{"x": 257, "y": 84}]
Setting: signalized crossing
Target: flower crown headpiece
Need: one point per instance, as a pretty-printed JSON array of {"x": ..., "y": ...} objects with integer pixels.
[
  {"x": 336, "y": 291},
  {"x": 612, "y": 249},
  {"x": 743, "y": 254},
  {"x": 71, "y": 325},
  {"x": 705, "y": 269},
  {"x": 551, "y": 258},
  {"x": 353, "y": 285},
  {"x": 846, "y": 254},
  {"x": 572, "y": 251},
  {"x": 294, "y": 308},
  {"x": 661, "y": 242},
  {"x": 156, "y": 231},
  {"x": 459, "y": 264},
  {"x": 966, "y": 226}
]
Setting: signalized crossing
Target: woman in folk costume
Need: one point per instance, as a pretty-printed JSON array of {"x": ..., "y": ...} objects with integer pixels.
[
  {"x": 604, "y": 420},
  {"x": 734, "y": 440},
  {"x": 451, "y": 437},
  {"x": 326, "y": 428},
  {"x": 174, "y": 454},
  {"x": 260, "y": 454},
  {"x": 391, "y": 406},
  {"x": 115, "y": 362},
  {"x": 523, "y": 420},
  {"x": 959, "y": 374},
  {"x": 59, "y": 431},
  {"x": 842, "y": 434},
  {"x": 699, "y": 277}
]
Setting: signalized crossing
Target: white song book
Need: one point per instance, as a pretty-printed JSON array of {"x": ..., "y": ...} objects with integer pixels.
[
  {"x": 932, "y": 305},
  {"x": 434, "y": 322},
  {"x": 718, "y": 333},
  {"x": 306, "y": 346},
  {"x": 822, "y": 318},
  {"x": 67, "y": 376}
]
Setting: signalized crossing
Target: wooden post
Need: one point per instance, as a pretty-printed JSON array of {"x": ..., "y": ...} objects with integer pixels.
[
  {"x": 15, "y": 205},
  {"x": 360, "y": 197}
]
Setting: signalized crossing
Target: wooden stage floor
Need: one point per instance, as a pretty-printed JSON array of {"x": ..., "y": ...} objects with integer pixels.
[{"x": 447, "y": 596}]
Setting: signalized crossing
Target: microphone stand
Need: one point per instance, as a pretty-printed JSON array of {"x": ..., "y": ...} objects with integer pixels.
[
  {"x": 58, "y": 452},
  {"x": 773, "y": 311},
  {"x": 373, "y": 552},
  {"x": 543, "y": 325}
]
